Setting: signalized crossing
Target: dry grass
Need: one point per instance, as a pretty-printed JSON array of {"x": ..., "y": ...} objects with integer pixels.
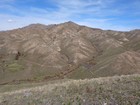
[{"x": 117, "y": 90}]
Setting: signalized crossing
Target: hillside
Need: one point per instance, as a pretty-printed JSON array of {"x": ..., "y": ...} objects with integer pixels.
[
  {"x": 48, "y": 52},
  {"x": 117, "y": 90}
]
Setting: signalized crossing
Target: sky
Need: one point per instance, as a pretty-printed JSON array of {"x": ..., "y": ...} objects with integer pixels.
[{"x": 121, "y": 15}]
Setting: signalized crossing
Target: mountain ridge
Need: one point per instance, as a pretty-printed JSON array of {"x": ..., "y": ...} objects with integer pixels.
[{"x": 38, "y": 52}]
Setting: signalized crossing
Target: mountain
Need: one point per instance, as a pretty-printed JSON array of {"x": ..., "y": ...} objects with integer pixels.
[{"x": 46, "y": 52}]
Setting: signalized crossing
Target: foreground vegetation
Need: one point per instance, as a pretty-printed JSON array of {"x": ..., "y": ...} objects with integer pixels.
[{"x": 117, "y": 90}]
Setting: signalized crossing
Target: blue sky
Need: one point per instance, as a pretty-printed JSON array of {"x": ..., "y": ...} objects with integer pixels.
[{"x": 122, "y": 15}]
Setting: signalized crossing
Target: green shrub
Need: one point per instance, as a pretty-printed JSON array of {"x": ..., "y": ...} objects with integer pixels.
[{"x": 14, "y": 67}]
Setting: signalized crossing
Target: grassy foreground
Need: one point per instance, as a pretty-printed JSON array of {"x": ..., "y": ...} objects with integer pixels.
[{"x": 117, "y": 90}]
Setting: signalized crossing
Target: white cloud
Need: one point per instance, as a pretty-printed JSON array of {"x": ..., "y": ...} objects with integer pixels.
[{"x": 11, "y": 20}]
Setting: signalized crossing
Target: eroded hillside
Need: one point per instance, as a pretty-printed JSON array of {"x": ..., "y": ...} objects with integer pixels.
[{"x": 39, "y": 52}]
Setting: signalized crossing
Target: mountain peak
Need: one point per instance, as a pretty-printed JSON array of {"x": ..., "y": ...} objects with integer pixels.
[{"x": 70, "y": 23}]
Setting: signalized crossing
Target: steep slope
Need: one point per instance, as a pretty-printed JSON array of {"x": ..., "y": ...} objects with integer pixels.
[
  {"x": 134, "y": 40},
  {"x": 39, "y": 52},
  {"x": 124, "y": 63}
]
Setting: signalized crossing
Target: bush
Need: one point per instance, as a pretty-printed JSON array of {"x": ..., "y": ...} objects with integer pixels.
[{"x": 14, "y": 67}]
